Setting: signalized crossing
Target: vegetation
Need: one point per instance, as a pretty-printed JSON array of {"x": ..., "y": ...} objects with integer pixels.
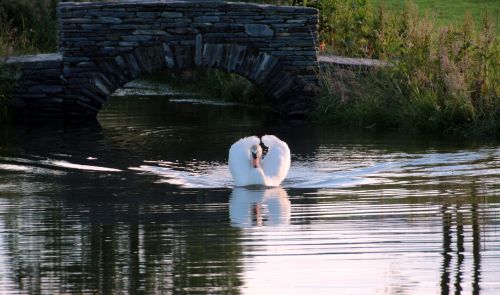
[
  {"x": 450, "y": 11},
  {"x": 27, "y": 26},
  {"x": 444, "y": 76},
  {"x": 442, "y": 79},
  {"x": 216, "y": 84},
  {"x": 8, "y": 80}
]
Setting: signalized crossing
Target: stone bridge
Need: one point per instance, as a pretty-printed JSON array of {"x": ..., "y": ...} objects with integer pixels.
[{"x": 105, "y": 45}]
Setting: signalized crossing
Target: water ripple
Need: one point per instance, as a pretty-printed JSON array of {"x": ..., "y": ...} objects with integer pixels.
[{"x": 481, "y": 167}]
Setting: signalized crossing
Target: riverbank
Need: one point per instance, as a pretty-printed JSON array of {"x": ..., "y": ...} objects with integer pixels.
[{"x": 442, "y": 79}]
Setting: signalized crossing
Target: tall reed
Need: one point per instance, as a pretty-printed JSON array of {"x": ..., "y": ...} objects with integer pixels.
[
  {"x": 27, "y": 26},
  {"x": 442, "y": 79}
]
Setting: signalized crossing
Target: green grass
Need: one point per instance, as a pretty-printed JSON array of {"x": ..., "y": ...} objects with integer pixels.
[
  {"x": 443, "y": 79},
  {"x": 215, "y": 84},
  {"x": 451, "y": 11},
  {"x": 27, "y": 26}
]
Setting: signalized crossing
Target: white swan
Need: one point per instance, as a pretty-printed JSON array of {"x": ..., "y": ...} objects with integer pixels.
[{"x": 248, "y": 167}]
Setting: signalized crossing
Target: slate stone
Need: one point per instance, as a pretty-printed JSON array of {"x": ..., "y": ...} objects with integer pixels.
[
  {"x": 137, "y": 38},
  {"x": 108, "y": 20},
  {"x": 206, "y": 19},
  {"x": 259, "y": 30},
  {"x": 48, "y": 89}
]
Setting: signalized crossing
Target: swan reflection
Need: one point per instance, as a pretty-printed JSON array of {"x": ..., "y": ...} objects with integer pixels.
[{"x": 258, "y": 207}]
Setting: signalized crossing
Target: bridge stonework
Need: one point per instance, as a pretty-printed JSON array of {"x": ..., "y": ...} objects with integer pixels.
[{"x": 105, "y": 45}]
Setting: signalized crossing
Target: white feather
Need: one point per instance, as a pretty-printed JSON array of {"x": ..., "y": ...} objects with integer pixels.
[{"x": 274, "y": 167}]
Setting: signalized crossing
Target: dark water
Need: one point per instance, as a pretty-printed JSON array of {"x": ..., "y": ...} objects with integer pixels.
[{"x": 142, "y": 202}]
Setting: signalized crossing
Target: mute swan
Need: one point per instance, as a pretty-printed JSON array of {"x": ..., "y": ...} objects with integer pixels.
[{"x": 248, "y": 167}]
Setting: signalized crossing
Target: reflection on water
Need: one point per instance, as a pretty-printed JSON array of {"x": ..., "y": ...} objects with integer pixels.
[
  {"x": 248, "y": 207},
  {"x": 142, "y": 202}
]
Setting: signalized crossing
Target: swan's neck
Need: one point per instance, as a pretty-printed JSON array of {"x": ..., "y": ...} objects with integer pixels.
[{"x": 257, "y": 176}]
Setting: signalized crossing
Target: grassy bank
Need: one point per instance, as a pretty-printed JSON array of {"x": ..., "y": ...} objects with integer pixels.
[
  {"x": 450, "y": 11},
  {"x": 27, "y": 26},
  {"x": 444, "y": 79},
  {"x": 445, "y": 76}
]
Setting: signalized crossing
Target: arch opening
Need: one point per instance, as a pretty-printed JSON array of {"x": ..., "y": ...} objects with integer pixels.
[{"x": 106, "y": 74}]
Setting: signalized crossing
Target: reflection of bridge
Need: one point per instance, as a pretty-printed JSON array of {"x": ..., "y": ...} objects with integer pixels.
[{"x": 104, "y": 45}]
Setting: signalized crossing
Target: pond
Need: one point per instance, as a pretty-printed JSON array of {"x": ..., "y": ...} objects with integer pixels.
[{"x": 142, "y": 201}]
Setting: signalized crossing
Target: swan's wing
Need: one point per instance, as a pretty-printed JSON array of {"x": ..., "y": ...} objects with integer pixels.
[
  {"x": 277, "y": 161},
  {"x": 239, "y": 158}
]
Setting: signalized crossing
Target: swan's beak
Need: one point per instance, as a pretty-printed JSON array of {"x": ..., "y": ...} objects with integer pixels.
[{"x": 255, "y": 160}]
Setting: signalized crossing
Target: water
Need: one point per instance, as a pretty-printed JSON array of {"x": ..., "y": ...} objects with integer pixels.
[{"x": 142, "y": 202}]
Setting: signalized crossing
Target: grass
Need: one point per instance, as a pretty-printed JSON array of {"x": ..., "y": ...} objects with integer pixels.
[
  {"x": 215, "y": 84},
  {"x": 444, "y": 80},
  {"x": 27, "y": 26},
  {"x": 446, "y": 55},
  {"x": 8, "y": 80},
  {"x": 451, "y": 11}
]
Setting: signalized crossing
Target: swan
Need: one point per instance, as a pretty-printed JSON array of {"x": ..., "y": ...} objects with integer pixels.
[{"x": 249, "y": 167}]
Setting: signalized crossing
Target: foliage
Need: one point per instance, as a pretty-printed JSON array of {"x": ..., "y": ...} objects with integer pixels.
[
  {"x": 443, "y": 80},
  {"x": 8, "y": 80},
  {"x": 27, "y": 26},
  {"x": 217, "y": 84},
  {"x": 450, "y": 11}
]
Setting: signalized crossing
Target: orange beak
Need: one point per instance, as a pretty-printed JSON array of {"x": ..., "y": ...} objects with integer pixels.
[{"x": 255, "y": 162}]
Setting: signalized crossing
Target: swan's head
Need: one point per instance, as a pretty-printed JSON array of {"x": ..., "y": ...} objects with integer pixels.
[{"x": 256, "y": 155}]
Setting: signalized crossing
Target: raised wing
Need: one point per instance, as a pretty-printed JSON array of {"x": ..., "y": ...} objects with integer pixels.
[
  {"x": 277, "y": 161},
  {"x": 239, "y": 158}
]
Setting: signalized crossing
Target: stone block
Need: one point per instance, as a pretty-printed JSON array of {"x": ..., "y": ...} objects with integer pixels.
[
  {"x": 170, "y": 14},
  {"x": 259, "y": 30},
  {"x": 47, "y": 89},
  {"x": 128, "y": 44},
  {"x": 137, "y": 38},
  {"x": 148, "y": 14},
  {"x": 206, "y": 19},
  {"x": 79, "y": 20},
  {"x": 149, "y": 32},
  {"x": 108, "y": 20}
]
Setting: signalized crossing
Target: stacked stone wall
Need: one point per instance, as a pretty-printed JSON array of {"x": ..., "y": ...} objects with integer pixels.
[
  {"x": 39, "y": 91},
  {"x": 105, "y": 45}
]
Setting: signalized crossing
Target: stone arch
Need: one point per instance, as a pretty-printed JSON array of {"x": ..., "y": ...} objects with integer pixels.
[
  {"x": 107, "y": 74},
  {"x": 104, "y": 45}
]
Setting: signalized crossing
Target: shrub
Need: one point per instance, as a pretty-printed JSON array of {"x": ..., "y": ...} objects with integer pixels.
[
  {"x": 27, "y": 26},
  {"x": 443, "y": 80}
]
